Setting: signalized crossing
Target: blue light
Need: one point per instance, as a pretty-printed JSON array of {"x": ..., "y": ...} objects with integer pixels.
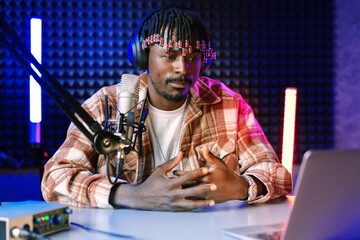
[{"x": 34, "y": 87}]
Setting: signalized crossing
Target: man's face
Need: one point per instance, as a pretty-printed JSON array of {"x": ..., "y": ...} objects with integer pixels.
[{"x": 171, "y": 75}]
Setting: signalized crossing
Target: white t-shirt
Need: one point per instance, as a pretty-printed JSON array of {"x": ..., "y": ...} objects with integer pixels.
[{"x": 167, "y": 125}]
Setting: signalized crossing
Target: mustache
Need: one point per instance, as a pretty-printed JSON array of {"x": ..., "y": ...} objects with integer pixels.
[{"x": 178, "y": 79}]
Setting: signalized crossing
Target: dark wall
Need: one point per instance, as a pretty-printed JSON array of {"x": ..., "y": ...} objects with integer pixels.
[
  {"x": 262, "y": 48},
  {"x": 347, "y": 77}
]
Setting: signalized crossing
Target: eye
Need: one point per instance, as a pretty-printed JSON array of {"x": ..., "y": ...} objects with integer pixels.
[
  {"x": 194, "y": 58},
  {"x": 168, "y": 56}
]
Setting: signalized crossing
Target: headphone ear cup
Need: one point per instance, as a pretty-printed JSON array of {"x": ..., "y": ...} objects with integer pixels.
[
  {"x": 137, "y": 56},
  {"x": 131, "y": 51}
]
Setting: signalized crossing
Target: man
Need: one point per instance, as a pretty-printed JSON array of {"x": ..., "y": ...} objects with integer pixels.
[{"x": 202, "y": 145}]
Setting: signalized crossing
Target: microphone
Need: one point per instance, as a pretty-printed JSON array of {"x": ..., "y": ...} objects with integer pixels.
[
  {"x": 115, "y": 135},
  {"x": 125, "y": 115}
]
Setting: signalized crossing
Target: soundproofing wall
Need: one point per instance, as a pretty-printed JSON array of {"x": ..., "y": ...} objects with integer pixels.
[{"x": 262, "y": 48}]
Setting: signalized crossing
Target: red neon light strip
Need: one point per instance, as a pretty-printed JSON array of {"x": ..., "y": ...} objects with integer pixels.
[{"x": 289, "y": 128}]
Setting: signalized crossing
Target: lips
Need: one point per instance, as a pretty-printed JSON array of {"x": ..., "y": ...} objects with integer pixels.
[{"x": 179, "y": 84}]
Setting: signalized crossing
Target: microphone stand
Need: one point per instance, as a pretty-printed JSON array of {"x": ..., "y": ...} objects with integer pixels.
[{"x": 103, "y": 141}]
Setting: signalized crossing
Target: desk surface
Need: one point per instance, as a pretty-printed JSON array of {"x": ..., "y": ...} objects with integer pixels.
[{"x": 200, "y": 224}]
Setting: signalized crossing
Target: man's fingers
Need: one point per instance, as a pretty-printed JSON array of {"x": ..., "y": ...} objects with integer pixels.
[
  {"x": 208, "y": 155},
  {"x": 194, "y": 197},
  {"x": 190, "y": 176},
  {"x": 179, "y": 172},
  {"x": 199, "y": 191},
  {"x": 211, "y": 158},
  {"x": 167, "y": 166},
  {"x": 188, "y": 205}
]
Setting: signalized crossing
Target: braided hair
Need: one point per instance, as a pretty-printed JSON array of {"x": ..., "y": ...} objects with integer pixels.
[{"x": 186, "y": 24}]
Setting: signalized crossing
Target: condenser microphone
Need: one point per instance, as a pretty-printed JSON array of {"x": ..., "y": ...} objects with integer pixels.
[
  {"x": 126, "y": 109},
  {"x": 128, "y": 98}
]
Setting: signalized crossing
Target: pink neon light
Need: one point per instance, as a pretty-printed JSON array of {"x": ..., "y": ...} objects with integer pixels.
[
  {"x": 289, "y": 128},
  {"x": 38, "y": 133}
]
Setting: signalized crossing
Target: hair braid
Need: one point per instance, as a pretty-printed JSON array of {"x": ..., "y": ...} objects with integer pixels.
[{"x": 186, "y": 23}]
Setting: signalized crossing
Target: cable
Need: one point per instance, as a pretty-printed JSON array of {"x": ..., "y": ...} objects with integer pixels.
[
  {"x": 13, "y": 162},
  {"x": 24, "y": 233},
  {"x": 103, "y": 232}
]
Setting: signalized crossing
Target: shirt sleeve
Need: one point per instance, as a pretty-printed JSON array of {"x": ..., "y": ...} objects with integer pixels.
[
  {"x": 257, "y": 158},
  {"x": 72, "y": 175}
]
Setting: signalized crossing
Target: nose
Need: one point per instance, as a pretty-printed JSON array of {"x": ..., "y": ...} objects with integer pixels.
[{"x": 181, "y": 65}]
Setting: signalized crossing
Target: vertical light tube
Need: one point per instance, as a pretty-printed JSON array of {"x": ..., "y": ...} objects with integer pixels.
[
  {"x": 289, "y": 128},
  {"x": 34, "y": 87}
]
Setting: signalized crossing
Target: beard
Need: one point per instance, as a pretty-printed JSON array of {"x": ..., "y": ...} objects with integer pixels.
[{"x": 175, "y": 97}]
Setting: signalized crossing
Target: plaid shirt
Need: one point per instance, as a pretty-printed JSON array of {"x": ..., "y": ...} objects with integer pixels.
[{"x": 216, "y": 117}]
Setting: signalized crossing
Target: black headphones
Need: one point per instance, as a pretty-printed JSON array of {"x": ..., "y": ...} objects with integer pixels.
[{"x": 139, "y": 57}]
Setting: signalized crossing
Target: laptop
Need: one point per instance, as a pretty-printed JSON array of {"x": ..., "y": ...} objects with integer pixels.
[{"x": 327, "y": 204}]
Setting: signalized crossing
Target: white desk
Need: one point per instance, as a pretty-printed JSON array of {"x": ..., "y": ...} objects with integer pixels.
[{"x": 200, "y": 224}]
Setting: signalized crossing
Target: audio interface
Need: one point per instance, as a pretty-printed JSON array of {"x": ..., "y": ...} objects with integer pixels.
[{"x": 35, "y": 216}]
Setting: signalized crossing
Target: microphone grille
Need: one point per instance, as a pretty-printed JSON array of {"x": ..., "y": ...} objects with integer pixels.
[{"x": 130, "y": 84}]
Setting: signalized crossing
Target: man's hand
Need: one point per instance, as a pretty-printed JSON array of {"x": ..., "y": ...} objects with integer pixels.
[
  {"x": 159, "y": 192},
  {"x": 230, "y": 186}
]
